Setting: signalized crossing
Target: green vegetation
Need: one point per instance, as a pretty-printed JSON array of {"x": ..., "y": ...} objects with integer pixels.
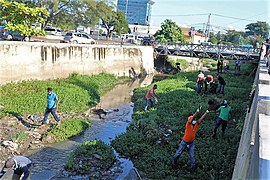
[
  {"x": 19, "y": 137},
  {"x": 169, "y": 32},
  {"x": 183, "y": 63},
  {"x": 75, "y": 94},
  {"x": 90, "y": 154},
  {"x": 69, "y": 128},
  {"x": 210, "y": 63},
  {"x": 19, "y": 17},
  {"x": 255, "y": 33},
  {"x": 60, "y": 13},
  {"x": 153, "y": 136}
]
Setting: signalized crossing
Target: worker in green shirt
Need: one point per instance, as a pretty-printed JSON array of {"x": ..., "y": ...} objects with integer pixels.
[{"x": 222, "y": 119}]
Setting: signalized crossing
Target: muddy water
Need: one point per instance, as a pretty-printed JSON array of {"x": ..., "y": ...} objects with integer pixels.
[{"x": 49, "y": 161}]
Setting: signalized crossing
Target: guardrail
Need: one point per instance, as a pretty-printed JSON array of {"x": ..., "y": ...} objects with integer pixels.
[
  {"x": 253, "y": 158},
  {"x": 206, "y": 51}
]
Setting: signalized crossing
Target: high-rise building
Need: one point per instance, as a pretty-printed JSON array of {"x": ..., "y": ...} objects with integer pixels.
[{"x": 136, "y": 11}]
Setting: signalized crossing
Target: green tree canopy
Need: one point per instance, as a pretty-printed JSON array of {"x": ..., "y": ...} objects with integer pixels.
[
  {"x": 19, "y": 17},
  {"x": 120, "y": 23},
  {"x": 258, "y": 28},
  {"x": 170, "y": 32}
]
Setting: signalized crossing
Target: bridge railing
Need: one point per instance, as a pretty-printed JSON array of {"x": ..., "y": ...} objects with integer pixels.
[{"x": 205, "y": 50}]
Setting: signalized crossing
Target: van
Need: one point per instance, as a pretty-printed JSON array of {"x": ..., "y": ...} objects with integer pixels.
[{"x": 53, "y": 31}]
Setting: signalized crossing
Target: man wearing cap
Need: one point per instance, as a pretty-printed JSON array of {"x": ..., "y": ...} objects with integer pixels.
[
  {"x": 52, "y": 107},
  {"x": 223, "y": 117},
  {"x": 188, "y": 139},
  {"x": 200, "y": 80},
  {"x": 21, "y": 166}
]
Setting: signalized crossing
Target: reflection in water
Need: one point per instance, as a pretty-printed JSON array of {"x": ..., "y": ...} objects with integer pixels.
[{"x": 50, "y": 160}]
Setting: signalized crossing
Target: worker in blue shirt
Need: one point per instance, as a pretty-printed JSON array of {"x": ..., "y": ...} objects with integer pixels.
[
  {"x": 21, "y": 166},
  {"x": 52, "y": 107}
]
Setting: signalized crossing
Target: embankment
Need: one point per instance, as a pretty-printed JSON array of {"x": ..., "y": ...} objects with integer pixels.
[{"x": 34, "y": 60}]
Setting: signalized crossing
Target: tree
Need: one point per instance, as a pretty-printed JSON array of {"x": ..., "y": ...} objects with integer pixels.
[
  {"x": 107, "y": 15},
  {"x": 120, "y": 24},
  {"x": 170, "y": 32},
  {"x": 66, "y": 14},
  {"x": 233, "y": 37},
  {"x": 19, "y": 17},
  {"x": 213, "y": 38},
  {"x": 258, "y": 28}
]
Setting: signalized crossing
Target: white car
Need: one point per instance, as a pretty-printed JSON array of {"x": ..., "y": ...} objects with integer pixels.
[{"x": 78, "y": 38}]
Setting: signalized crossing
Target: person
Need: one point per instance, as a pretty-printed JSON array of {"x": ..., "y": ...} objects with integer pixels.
[
  {"x": 264, "y": 49},
  {"x": 200, "y": 81},
  {"x": 267, "y": 52},
  {"x": 178, "y": 67},
  {"x": 52, "y": 107},
  {"x": 222, "y": 84},
  {"x": 208, "y": 80},
  {"x": 150, "y": 97},
  {"x": 21, "y": 166},
  {"x": 223, "y": 117},
  {"x": 187, "y": 141},
  {"x": 218, "y": 65},
  {"x": 237, "y": 65},
  {"x": 221, "y": 65}
]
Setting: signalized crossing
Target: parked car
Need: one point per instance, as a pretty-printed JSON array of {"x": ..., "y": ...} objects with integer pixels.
[
  {"x": 2, "y": 30},
  {"x": 80, "y": 38},
  {"x": 11, "y": 35},
  {"x": 53, "y": 31}
]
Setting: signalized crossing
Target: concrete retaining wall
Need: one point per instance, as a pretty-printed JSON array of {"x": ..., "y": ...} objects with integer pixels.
[
  {"x": 25, "y": 61},
  {"x": 253, "y": 158}
]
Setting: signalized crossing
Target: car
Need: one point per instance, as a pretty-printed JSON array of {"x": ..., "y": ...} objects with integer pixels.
[
  {"x": 78, "y": 38},
  {"x": 53, "y": 31},
  {"x": 14, "y": 35},
  {"x": 147, "y": 41},
  {"x": 2, "y": 30}
]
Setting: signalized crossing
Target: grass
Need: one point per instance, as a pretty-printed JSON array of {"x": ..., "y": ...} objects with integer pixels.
[
  {"x": 69, "y": 128},
  {"x": 75, "y": 93}
]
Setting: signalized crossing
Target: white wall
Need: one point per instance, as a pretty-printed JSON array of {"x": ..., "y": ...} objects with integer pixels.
[{"x": 24, "y": 61}]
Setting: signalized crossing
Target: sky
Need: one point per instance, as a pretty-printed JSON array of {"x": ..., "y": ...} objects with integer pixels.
[{"x": 225, "y": 14}]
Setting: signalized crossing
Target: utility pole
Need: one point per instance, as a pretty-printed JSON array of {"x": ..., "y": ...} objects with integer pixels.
[{"x": 207, "y": 29}]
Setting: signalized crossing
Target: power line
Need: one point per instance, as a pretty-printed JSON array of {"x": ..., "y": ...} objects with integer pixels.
[
  {"x": 248, "y": 17},
  {"x": 174, "y": 15},
  {"x": 231, "y": 17}
]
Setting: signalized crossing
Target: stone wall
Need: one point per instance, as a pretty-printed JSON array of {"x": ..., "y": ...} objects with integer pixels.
[{"x": 25, "y": 61}]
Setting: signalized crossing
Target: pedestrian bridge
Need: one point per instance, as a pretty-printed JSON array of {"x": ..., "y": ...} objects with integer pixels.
[{"x": 222, "y": 52}]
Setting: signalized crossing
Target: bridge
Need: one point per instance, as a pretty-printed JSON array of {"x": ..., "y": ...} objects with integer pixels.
[{"x": 222, "y": 52}]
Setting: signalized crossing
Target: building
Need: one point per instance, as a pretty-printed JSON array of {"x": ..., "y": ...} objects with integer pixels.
[
  {"x": 193, "y": 36},
  {"x": 137, "y": 12}
]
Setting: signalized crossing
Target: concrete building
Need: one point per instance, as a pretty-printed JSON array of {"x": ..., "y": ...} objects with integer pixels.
[
  {"x": 193, "y": 36},
  {"x": 137, "y": 11}
]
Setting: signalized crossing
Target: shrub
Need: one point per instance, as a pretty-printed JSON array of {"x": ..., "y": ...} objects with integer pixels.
[
  {"x": 69, "y": 128},
  {"x": 90, "y": 154}
]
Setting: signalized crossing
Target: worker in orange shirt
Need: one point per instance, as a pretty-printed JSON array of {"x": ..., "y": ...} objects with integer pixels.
[{"x": 188, "y": 139}]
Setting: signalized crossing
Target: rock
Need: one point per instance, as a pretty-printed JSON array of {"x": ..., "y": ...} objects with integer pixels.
[
  {"x": 48, "y": 139},
  {"x": 10, "y": 145},
  {"x": 36, "y": 142}
]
